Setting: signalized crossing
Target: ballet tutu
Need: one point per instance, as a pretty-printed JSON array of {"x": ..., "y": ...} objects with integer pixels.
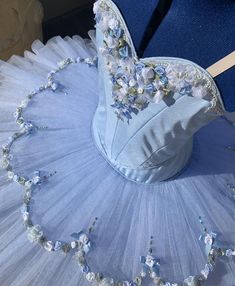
[{"x": 82, "y": 186}]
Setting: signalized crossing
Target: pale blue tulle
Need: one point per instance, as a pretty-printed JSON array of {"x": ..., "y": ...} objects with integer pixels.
[{"x": 85, "y": 186}]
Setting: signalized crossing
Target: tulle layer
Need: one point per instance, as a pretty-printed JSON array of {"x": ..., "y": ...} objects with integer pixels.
[{"x": 85, "y": 186}]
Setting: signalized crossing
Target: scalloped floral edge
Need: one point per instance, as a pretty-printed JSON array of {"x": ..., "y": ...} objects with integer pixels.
[{"x": 81, "y": 245}]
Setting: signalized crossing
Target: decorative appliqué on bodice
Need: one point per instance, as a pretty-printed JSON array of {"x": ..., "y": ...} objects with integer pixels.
[{"x": 138, "y": 82}]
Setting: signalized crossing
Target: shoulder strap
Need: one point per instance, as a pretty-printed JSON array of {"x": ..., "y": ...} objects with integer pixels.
[{"x": 222, "y": 65}]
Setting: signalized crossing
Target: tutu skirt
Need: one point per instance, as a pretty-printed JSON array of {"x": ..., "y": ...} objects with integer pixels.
[{"x": 84, "y": 186}]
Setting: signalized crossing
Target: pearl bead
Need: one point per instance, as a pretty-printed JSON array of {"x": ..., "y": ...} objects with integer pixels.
[
  {"x": 54, "y": 86},
  {"x": 73, "y": 244}
]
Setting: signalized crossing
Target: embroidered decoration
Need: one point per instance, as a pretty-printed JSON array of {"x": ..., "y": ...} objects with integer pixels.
[
  {"x": 81, "y": 243},
  {"x": 34, "y": 232},
  {"x": 150, "y": 264},
  {"x": 213, "y": 252},
  {"x": 137, "y": 82},
  {"x": 28, "y": 127},
  {"x": 231, "y": 191}
]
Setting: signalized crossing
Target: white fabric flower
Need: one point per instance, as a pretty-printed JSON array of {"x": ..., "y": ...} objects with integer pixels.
[
  {"x": 158, "y": 96},
  {"x": 111, "y": 63},
  {"x": 157, "y": 84},
  {"x": 34, "y": 233},
  {"x": 150, "y": 261},
  {"x": 103, "y": 51},
  {"x": 180, "y": 84},
  {"x": 230, "y": 252},
  {"x": 73, "y": 244},
  {"x": 84, "y": 238},
  {"x": 143, "y": 274},
  {"x": 111, "y": 42},
  {"x": 25, "y": 216},
  {"x": 28, "y": 183},
  {"x": 153, "y": 275},
  {"x": 140, "y": 90},
  {"x": 10, "y": 175},
  {"x": 90, "y": 276},
  {"x": 175, "y": 73},
  {"x": 191, "y": 74},
  {"x": 96, "y": 7},
  {"x": 147, "y": 73},
  {"x": 107, "y": 282},
  {"x": 179, "y": 70},
  {"x": 49, "y": 246},
  {"x": 113, "y": 24},
  {"x": 105, "y": 21},
  {"x": 205, "y": 272},
  {"x": 24, "y": 103},
  {"x": 140, "y": 101},
  {"x": 199, "y": 92},
  {"x": 132, "y": 82},
  {"x": 208, "y": 239},
  {"x": 121, "y": 82},
  {"x": 79, "y": 253},
  {"x": 192, "y": 280},
  {"x": 123, "y": 90},
  {"x": 126, "y": 65}
]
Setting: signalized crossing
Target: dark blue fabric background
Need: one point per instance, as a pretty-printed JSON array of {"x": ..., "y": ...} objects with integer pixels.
[{"x": 137, "y": 14}]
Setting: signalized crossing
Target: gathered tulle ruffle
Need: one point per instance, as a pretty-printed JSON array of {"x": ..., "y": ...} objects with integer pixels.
[{"x": 85, "y": 186}]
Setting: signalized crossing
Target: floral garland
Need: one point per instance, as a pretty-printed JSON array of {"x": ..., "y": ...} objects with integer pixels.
[
  {"x": 81, "y": 244},
  {"x": 31, "y": 184},
  {"x": 137, "y": 82}
]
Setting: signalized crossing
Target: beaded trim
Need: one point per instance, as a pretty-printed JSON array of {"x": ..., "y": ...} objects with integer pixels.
[
  {"x": 82, "y": 244},
  {"x": 138, "y": 82},
  {"x": 31, "y": 184}
]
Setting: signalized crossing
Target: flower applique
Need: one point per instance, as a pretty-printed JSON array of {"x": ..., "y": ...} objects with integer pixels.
[{"x": 137, "y": 82}]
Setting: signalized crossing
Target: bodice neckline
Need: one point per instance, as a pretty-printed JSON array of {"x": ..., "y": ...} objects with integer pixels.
[{"x": 117, "y": 11}]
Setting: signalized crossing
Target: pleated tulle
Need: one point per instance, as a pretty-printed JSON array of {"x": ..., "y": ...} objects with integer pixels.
[{"x": 85, "y": 186}]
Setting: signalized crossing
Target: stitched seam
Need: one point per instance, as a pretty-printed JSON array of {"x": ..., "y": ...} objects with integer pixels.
[{"x": 133, "y": 136}]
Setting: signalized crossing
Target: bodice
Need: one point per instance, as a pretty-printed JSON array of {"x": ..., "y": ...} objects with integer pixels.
[{"x": 149, "y": 109}]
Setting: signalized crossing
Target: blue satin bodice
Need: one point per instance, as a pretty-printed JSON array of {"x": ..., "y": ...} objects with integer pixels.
[{"x": 149, "y": 109}]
